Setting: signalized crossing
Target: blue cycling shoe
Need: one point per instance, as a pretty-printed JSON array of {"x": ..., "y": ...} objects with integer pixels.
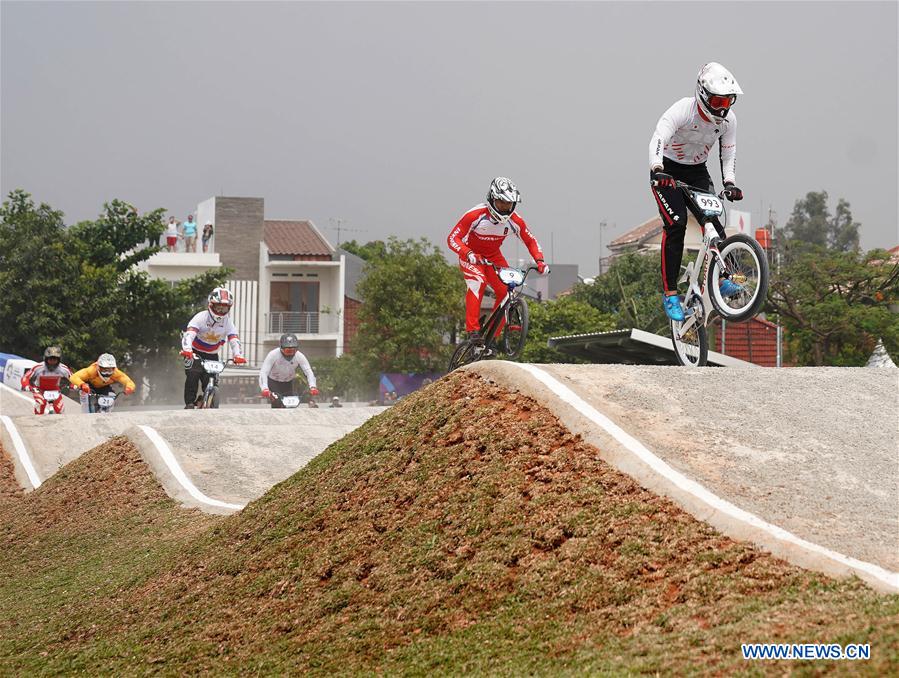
[
  {"x": 674, "y": 309},
  {"x": 729, "y": 288}
]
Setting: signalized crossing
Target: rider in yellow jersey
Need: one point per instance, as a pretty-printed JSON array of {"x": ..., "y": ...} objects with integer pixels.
[{"x": 99, "y": 377}]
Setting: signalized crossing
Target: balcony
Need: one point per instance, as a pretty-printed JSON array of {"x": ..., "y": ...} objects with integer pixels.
[{"x": 301, "y": 322}]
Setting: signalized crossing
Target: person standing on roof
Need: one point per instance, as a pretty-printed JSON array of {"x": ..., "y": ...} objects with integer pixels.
[
  {"x": 47, "y": 376},
  {"x": 279, "y": 370},
  {"x": 205, "y": 333},
  {"x": 99, "y": 377},
  {"x": 678, "y": 151},
  {"x": 477, "y": 239}
]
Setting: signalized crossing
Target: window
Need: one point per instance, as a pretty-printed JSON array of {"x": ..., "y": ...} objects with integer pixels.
[{"x": 294, "y": 297}]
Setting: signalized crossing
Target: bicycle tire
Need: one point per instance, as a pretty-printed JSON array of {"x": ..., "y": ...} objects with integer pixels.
[
  {"x": 515, "y": 332},
  {"x": 695, "y": 351},
  {"x": 214, "y": 399},
  {"x": 755, "y": 269},
  {"x": 463, "y": 355}
]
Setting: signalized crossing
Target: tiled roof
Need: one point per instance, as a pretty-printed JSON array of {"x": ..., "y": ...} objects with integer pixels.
[
  {"x": 637, "y": 235},
  {"x": 295, "y": 237}
]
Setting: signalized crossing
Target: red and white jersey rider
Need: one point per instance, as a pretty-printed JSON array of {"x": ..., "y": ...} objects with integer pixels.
[
  {"x": 479, "y": 235},
  {"x": 47, "y": 376}
]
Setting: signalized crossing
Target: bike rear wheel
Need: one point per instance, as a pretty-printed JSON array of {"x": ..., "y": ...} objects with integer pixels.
[
  {"x": 464, "y": 354},
  {"x": 515, "y": 333},
  {"x": 746, "y": 265},
  {"x": 691, "y": 349}
]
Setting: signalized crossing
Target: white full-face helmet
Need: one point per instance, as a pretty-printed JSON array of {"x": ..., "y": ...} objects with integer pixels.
[
  {"x": 220, "y": 303},
  {"x": 106, "y": 366},
  {"x": 716, "y": 91},
  {"x": 502, "y": 199}
]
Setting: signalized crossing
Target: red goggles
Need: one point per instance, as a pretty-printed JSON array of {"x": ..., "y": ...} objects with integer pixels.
[{"x": 718, "y": 102}]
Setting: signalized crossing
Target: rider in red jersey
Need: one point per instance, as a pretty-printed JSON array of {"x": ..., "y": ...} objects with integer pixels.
[{"x": 478, "y": 237}]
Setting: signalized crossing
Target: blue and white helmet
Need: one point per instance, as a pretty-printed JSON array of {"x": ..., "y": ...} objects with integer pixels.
[
  {"x": 503, "y": 189},
  {"x": 716, "y": 91}
]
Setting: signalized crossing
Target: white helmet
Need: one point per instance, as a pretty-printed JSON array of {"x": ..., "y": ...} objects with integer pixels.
[
  {"x": 106, "y": 366},
  {"x": 220, "y": 303},
  {"x": 716, "y": 91},
  {"x": 503, "y": 189}
]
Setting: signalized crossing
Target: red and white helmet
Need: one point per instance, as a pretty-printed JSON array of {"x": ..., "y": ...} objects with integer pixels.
[
  {"x": 503, "y": 190},
  {"x": 220, "y": 303},
  {"x": 716, "y": 91}
]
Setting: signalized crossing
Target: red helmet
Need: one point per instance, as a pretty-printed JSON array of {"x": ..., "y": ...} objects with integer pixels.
[{"x": 220, "y": 303}]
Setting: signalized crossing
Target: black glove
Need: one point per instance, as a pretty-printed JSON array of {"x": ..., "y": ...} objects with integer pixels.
[
  {"x": 663, "y": 180},
  {"x": 731, "y": 192}
]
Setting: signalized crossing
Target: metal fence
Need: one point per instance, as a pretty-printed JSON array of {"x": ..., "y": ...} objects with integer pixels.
[{"x": 300, "y": 322}]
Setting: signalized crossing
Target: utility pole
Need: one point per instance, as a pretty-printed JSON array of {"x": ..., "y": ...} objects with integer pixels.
[{"x": 602, "y": 226}]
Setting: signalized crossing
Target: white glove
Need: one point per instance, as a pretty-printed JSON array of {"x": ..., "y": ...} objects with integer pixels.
[{"x": 474, "y": 259}]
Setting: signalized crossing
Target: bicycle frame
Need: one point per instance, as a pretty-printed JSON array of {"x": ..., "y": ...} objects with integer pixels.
[
  {"x": 695, "y": 274},
  {"x": 492, "y": 327}
]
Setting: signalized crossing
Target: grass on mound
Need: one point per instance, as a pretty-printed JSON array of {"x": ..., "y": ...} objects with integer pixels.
[
  {"x": 466, "y": 531},
  {"x": 99, "y": 527}
]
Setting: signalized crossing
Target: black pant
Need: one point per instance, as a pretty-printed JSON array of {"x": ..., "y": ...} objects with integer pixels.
[
  {"x": 282, "y": 388},
  {"x": 196, "y": 375},
  {"x": 673, "y": 210}
]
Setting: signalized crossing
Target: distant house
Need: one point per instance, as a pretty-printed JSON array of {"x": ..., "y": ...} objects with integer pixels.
[
  {"x": 287, "y": 277},
  {"x": 647, "y": 237}
]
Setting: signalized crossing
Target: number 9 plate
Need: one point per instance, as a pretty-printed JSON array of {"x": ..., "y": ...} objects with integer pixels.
[{"x": 709, "y": 204}]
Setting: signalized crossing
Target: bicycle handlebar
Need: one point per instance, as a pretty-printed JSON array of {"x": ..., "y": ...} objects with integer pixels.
[{"x": 680, "y": 184}]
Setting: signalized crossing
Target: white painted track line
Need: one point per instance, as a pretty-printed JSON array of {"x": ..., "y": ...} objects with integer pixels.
[
  {"x": 175, "y": 468},
  {"x": 17, "y": 393},
  {"x": 21, "y": 451},
  {"x": 713, "y": 501}
]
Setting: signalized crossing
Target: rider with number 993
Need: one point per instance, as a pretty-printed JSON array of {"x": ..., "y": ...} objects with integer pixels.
[
  {"x": 478, "y": 236},
  {"x": 678, "y": 151},
  {"x": 205, "y": 333}
]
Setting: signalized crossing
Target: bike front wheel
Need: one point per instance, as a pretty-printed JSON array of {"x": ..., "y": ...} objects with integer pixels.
[
  {"x": 515, "y": 333},
  {"x": 746, "y": 266},
  {"x": 465, "y": 353},
  {"x": 211, "y": 399},
  {"x": 691, "y": 347}
]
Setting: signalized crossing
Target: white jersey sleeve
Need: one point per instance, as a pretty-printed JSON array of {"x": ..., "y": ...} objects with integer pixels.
[
  {"x": 307, "y": 368},
  {"x": 266, "y": 368},
  {"x": 727, "y": 145},
  {"x": 677, "y": 116}
]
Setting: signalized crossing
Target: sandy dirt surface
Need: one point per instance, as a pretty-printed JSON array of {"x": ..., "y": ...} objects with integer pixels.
[
  {"x": 812, "y": 450},
  {"x": 231, "y": 455}
]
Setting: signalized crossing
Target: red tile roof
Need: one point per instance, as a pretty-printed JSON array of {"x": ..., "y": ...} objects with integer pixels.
[
  {"x": 295, "y": 237},
  {"x": 638, "y": 235}
]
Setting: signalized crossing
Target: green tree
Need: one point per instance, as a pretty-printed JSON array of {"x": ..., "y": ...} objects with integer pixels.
[
  {"x": 836, "y": 304},
  {"x": 411, "y": 300},
  {"x": 563, "y": 316},
  {"x": 78, "y": 287},
  {"x": 631, "y": 291},
  {"x": 811, "y": 223},
  {"x": 370, "y": 250}
]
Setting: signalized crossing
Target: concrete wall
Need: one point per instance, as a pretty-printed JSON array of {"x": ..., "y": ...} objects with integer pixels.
[{"x": 239, "y": 228}]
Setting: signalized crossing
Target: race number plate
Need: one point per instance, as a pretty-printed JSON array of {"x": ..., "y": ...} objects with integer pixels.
[
  {"x": 290, "y": 401},
  {"x": 709, "y": 204},
  {"x": 213, "y": 366},
  {"x": 511, "y": 276}
]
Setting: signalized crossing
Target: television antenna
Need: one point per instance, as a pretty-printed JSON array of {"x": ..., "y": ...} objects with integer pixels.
[{"x": 337, "y": 224}]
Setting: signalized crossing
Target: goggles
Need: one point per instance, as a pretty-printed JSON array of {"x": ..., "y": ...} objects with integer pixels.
[
  {"x": 106, "y": 372},
  {"x": 504, "y": 207},
  {"x": 719, "y": 101},
  {"x": 220, "y": 309},
  {"x": 289, "y": 351}
]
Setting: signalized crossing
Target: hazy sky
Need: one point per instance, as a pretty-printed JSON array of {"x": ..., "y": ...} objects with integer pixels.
[{"x": 396, "y": 116}]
